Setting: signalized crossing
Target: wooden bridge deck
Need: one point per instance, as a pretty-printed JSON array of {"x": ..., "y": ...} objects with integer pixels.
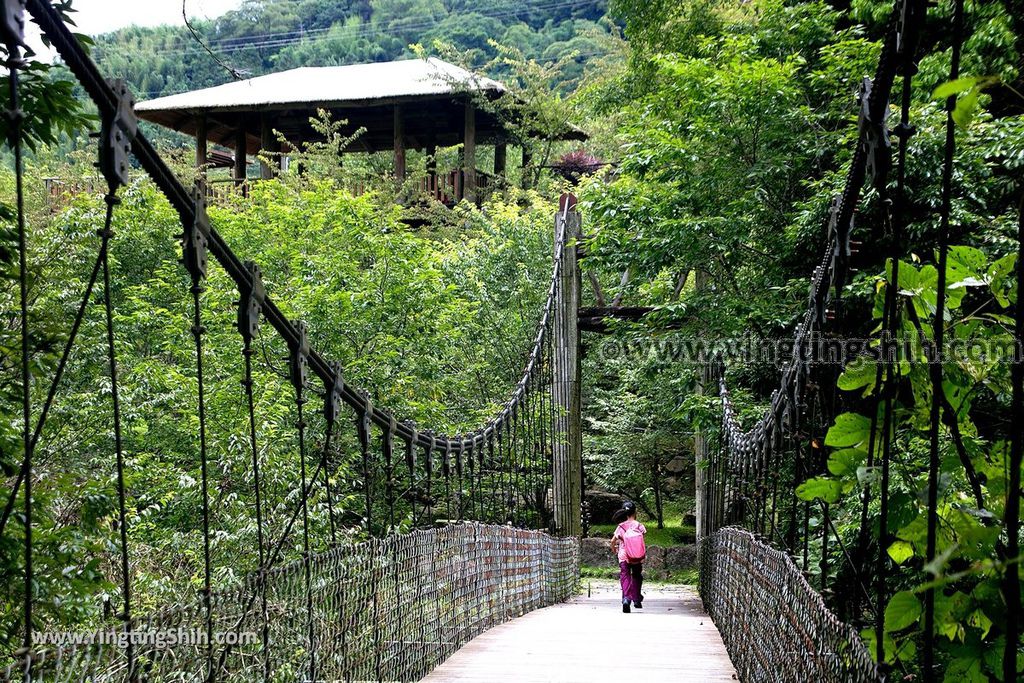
[{"x": 583, "y": 640}]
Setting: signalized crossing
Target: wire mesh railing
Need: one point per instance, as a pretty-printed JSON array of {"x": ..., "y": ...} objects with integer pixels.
[
  {"x": 774, "y": 624},
  {"x": 387, "y": 609}
]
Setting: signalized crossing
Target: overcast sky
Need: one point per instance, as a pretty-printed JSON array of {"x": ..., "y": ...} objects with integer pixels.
[{"x": 100, "y": 16}]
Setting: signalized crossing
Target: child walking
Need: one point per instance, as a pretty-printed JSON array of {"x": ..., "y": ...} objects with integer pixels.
[{"x": 628, "y": 544}]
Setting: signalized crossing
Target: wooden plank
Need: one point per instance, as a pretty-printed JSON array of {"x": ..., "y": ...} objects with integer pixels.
[{"x": 590, "y": 640}]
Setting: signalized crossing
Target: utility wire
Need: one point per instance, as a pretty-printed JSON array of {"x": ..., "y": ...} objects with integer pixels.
[{"x": 230, "y": 69}]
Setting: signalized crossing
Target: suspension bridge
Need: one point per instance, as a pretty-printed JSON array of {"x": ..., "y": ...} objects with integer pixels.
[{"x": 401, "y": 607}]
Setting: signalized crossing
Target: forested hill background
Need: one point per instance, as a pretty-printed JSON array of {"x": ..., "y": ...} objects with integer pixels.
[{"x": 264, "y": 36}]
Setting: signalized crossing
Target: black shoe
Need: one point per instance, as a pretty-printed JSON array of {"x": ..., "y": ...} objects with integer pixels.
[
  {"x": 638, "y": 605},
  {"x": 625, "y": 607}
]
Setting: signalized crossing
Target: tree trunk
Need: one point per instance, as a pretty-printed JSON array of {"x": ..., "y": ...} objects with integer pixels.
[{"x": 656, "y": 483}]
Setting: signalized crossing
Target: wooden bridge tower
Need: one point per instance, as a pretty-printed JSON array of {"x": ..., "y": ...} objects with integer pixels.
[{"x": 567, "y": 453}]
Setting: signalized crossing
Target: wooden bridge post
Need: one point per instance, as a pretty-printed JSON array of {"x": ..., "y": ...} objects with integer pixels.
[
  {"x": 700, "y": 456},
  {"x": 700, "y": 443},
  {"x": 567, "y": 452}
]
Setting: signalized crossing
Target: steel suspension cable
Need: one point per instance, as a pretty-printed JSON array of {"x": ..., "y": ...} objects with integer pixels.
[
  {"x": 272, "y": 557},
  {"x": 325, "y": 463},
  {"x": 478, "y": 457},
  {"x": 938, "y": 335},
  {"x": 410, "y": 463},
  {"x": 101, "y": 93},
  {"x": 16, "y": 118},
  {"x": 197, "y": 333},
  {"x": 249, "y": 308},
  {"x": 388, "y": 446},
  {"x": 492, "y": 465},
  {"x": 517, "y": 464},
  {"x": 506, "y": 476},
  {"x": 1011, "y": 575},
  {"x": 446, "y": 472},
  {"x": 363, "y": 428},
  {"x": 198, "y": 235},
  {"x": 428, "y": 464},
  {"x": 531, "y": 440},
  {"x": 890, "y": 329},
  {"x": 469, "y": 468},
  {"x": 106, "y": 234},
  {"x": 300, "y": 401}
]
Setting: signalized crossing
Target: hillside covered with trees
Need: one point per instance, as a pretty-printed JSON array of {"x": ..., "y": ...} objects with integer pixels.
[{"x": 264, "y": 36}]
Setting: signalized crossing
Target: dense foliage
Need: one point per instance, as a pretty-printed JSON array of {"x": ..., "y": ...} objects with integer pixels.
[{"x": 735, "y": 124}]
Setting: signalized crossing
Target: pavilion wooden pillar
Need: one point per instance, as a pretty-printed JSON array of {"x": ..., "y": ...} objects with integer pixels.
[
  {"x": 500, "y": 158},
  {"x": 241, "y": 144},
  {"x": 524, "y": 174},
  {"x": 399, "y": 144},
  {"x": 201, "y": 150},
  {"x": 469, "y": 154},
  {"x": 567, "y": 431},
  {"x": 430, "y": 152},
  {"x": 267, "y": 144}
]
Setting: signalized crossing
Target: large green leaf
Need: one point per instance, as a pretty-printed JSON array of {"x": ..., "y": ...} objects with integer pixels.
[
  {"x": 967, "y": 668},
  {"x": 966, "y": 108},
  {"x": 954, "y": 87},
  {"x": 915, "y": 531},
  {"x": 821, "y": 488},
  {"x": 900, "y": 551},
  {"x": 850, "y": 429},
  {"x": 860, "y": 372},
  {"x": 844, "y": 463},
  {"x": 903, "y": 610},
  {"x": 1002, "y": 280},
  {"x": 950, "y": 612},
  {"x": 966, "y": 266}
]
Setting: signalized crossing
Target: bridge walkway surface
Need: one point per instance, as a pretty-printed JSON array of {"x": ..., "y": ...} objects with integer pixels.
[{"x": 590, "y": 640}]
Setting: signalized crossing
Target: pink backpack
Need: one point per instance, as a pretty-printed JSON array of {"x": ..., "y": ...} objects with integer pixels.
[{"x": 633, "y": 543}]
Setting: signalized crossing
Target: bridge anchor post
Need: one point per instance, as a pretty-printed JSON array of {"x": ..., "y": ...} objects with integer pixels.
[{"x": 567, "y": 450}]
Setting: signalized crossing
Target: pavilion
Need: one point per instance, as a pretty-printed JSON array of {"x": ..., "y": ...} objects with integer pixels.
[{"x": 406, "y": 104}]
